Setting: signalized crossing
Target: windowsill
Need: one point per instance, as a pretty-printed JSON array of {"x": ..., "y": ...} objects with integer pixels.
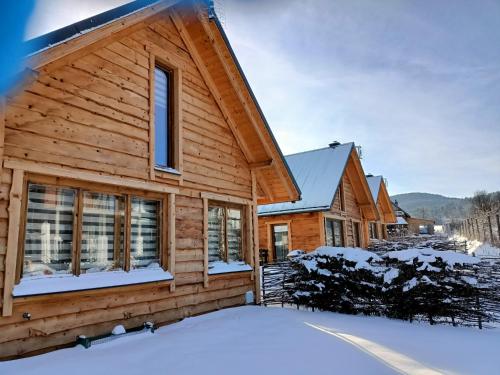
[
  {"x": 217, "y": 268},
  {"x": 38, "y": 285},
  {"x": 168, "y": 170}
]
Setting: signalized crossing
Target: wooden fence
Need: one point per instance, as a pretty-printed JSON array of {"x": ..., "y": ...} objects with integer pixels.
[{"x": 484, "y": 228}]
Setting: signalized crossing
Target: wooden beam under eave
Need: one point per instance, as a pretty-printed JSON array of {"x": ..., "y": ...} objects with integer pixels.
[
  {"x": 186, "y": 38},
  {"x": 236, "y": 85},
  {"x": 262, "y": 164}
]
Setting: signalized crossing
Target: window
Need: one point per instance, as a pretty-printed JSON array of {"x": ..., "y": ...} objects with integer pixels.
[
  {"x": 225, "y": 234},
  {"x": 334, "y": 232},
  {"x": 102, "y": 233},
  {"x": 144, "y": 237},
  {"x": 356, "y": 234},
  {"x": 280, "y": 241},
  {"x": 373, "y": 231},
  {"x": 49, "y": 231},
  {"x": 72, "y": 231},
  {"x": 164, "y": 145},
  {"x": 342, "y": 196}
]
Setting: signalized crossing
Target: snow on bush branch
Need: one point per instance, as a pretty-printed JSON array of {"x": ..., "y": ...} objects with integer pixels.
[{"x": 438, "y": 286}]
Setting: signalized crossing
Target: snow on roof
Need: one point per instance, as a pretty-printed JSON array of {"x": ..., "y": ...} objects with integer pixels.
[
  {"x": 76, "y": 29},
  {"x": 318, "y": 174},
  {"x": 401, "y": 221},
  {"x": 374, "y": 183}
]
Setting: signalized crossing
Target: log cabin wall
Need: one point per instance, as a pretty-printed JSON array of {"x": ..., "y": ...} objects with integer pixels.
[
  {"x": 305, "y": 231},
  {"x": 91, "y": 114},
  {"x": 351, "y": 213},
  {"x": 6, "y": 177}
]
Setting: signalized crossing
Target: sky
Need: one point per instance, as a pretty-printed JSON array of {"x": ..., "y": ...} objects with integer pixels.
[{"x": 415, "y": 83}]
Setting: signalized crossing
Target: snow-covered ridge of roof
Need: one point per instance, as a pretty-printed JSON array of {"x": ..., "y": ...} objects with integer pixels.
[
  {"x": 318, "y": 174},
  {"x": 64, "y": 34},
  {"x": 401, "y": 221},
  {"x": 374, "y": 184}
]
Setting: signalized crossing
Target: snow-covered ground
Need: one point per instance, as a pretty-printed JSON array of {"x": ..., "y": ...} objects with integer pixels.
[
  {"x": 258, "y": 340},
  {"x": 478, "y": 248}
]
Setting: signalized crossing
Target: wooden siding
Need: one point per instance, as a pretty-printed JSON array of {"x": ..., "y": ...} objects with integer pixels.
[
  {"x": 352, "y": 211},
  {"x": 6, "y": 179},
  {"x": 91, "y": 114},
  {"x": 305, "y": 231}
]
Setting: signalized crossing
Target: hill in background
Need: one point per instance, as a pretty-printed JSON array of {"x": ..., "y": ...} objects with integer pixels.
[{"x": 433, "y": 206}]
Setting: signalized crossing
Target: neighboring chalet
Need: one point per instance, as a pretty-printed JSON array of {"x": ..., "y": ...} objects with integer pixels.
[
  {"x": 406, "y": 224},
  {"x": 335, "y": 209},
  {"x": 134, "y": 157},
  {"x": 378, "y": 229}
]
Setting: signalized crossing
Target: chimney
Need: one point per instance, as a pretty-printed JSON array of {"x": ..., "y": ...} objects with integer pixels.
[
  {"x": 334, "y": 144},
  {"x": 369, "y": 175}
]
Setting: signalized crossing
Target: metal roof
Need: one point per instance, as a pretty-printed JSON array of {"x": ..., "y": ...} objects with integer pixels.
[
  {"x": 318, "y": 174},
  {"x": 76, "y": 29},
  {"x": 374, "y": 183}
]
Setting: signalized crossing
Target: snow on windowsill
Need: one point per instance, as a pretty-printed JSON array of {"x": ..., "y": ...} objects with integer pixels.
[
  {"x": 216, "y": 268},
  {"x": 37, "y": 285}
]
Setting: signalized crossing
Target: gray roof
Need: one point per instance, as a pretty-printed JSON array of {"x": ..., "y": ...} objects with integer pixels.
[
  {"x": 318, "y": 174},
  {"x": 374, "y": 183}
]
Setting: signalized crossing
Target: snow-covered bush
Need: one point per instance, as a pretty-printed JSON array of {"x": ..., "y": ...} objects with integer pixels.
[
  {"x": 346, "y": 280},
  {"x": 424, "y": 284}
]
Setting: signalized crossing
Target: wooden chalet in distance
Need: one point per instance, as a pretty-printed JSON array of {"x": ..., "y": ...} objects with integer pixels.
[
  {"x": 335, "y": 209},
  {"x": 378, "y": 229},
  {"x": 133, "y": 160}
]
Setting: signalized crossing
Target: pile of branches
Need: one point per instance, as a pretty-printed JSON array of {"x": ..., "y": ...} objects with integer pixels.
[
  {"x": 416, "y": 242},
  {"x": 412, "y": 284}
]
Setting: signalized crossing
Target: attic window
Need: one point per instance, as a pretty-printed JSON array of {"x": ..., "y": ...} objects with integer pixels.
[
  {"x": 163, "y": 118},
  {"x": 342, "y": 196}
]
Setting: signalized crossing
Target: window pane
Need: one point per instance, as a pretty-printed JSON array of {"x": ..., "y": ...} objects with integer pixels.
[
  {"x": 216, "y": 235},
  {"x": 337, "y": 233},
  {"x": 280, "y": 239},
  {"x": 102, "y": 233},
  {"x": 234, "y": 241},
  {"x": 162, "y": 141},
  {"x": 49, "y": 231},
  {"x": 144, "y": 236},
  {"x": 329, "y": 233}
]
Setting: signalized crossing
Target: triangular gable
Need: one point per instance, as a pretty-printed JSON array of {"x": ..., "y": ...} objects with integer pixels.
[
  {"x": 206, "y": 41},
  {"x": 381, "y": 198},
  {"x": 319, "y": 173},
  {"x": 385, "y": 201},
  {"x": 362, "y": 192}
]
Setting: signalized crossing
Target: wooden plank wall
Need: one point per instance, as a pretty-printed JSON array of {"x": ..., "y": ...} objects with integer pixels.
[
  {"x": 92, "y": 114},
  {"x": 352, "y": 210},
  {"x": 305, "y": 231},
  {"x": 6, "y": 179},
  {"x": 96, "y": 110}
]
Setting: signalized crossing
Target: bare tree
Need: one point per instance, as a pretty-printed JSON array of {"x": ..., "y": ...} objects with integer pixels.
[{"x": 482, "y": 202}]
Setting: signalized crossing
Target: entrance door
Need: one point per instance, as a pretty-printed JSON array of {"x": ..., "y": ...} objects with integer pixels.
[{"x": 280, "y": 241}]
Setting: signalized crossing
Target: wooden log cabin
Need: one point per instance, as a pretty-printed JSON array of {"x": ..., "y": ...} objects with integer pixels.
[
  {"x": 377, "y": 230},
  {"x": 335, "y": 209},
  {"x": 134, "y": 156}
]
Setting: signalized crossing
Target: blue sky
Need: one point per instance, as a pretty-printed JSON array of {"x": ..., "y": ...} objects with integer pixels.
[{"x": 415, "y": 83}]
